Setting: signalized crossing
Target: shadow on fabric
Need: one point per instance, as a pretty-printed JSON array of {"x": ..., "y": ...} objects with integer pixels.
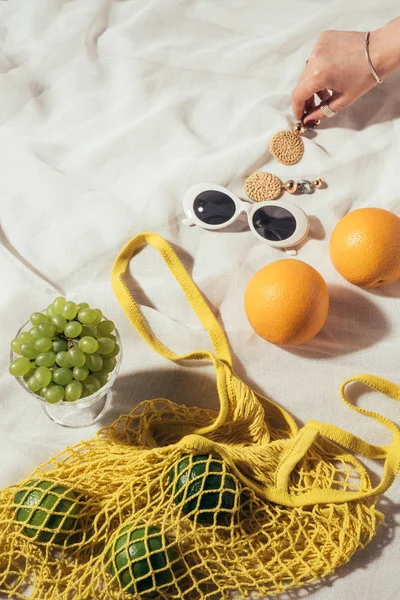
[
  {"x": 354, "y": 322},
  {"x": 183, "y": 386},
  {"x": 380, "y": 105},
  {"x": 386, "y": 291}
]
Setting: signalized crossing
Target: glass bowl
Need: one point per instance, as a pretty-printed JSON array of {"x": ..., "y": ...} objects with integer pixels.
[{"x": 82, "y": 412}]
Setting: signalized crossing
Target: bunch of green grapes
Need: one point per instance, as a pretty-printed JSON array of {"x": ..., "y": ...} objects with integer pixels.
[{"x": 68, "y": 353}]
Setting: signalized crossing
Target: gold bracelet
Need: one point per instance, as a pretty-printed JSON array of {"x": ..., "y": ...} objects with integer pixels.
[{"x": 367, "y": 56}]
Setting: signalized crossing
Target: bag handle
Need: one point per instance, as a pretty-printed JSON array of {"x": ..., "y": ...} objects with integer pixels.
[
  {"x": 390, "y": 453},
  {"x": 223, "y": 367},
  {"x": 222, "y": 360},
  {"x": 191, "y": 291}
]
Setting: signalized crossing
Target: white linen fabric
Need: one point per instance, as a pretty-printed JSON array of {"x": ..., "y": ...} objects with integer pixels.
[{"x": 109, "y": 111}]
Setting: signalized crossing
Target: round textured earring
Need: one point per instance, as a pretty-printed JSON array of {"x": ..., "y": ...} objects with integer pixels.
[
  {"x": 287, "y": 147},
  {"x": 263, "y": 186}
]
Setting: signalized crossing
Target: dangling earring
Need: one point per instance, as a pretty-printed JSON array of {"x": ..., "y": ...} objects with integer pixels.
[
  {"x": 263, "y": 186},
  {"x": 287, "y": 147}
]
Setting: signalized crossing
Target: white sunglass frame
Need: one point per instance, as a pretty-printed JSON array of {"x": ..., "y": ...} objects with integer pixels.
[{"x": 302, "y": 222}]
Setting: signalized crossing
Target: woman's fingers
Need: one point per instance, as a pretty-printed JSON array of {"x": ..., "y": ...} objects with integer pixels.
[
  {"x": 309, "y": 105},
  {"x": 315, "y": 101},
  {"x": 336, "y": 103},
  {"x": 324, "y": 95},
  {"x": 304, "y": 91},
  {"x": 337, "y": 62}
]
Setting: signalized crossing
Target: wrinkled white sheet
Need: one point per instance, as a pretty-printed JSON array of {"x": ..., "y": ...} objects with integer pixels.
[{"x": 109, "y": 111}]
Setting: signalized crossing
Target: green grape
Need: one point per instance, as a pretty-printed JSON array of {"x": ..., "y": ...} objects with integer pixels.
[
  {"x": 77, "y": 357},
  {"x": 82, "y": 305},
  {"x": 29, "y": 374},
  {"x": 99, "y": 316},
  {"x": 70, "y": 310},
  {"x": 108, "y": 365},
  {"x": 89, "y": 330},
  {"x": 42, "y": 391},
  {"x": 112, "y": 337},
  {"x": 20, "y": 366},
  {"x": 53, "y": 367},
  {"x": 102, "y": 377},
  {"x": 25, "y": 336},
  {"x": 45, "y": 359},
  {"x": 35, "y": 333},
  {"x": 29, "y": 350},
  {"x": 92, "y": 384},
  {"x": 114, "y": 353},
  {"x": 63, "y": 376},
  {"x": 43, "y": 344},
  {"x": 49, "y": 310},
  {"x": 59, "y": 323},
  {"x": 38, "y": 317},
  {"x": 16, "y": 345},
  {"x": 94, "y": 362},
  {"x": 73, "y": 391},
  {"x": 105, "y": 327},
  {"x": 88, "y": 345},
  {"x": 54, "y": 394},
  {"x": 80, "y": 373},
  {"x": 105, "y": 345},
  {"x": 59, "y": 345},
  {"x": 46, "y": 329},
  {"x": 43, "y": 376},
  {"x": 73, "y": 329},
  {"x": 58, "y": 305},
  {"x": 63, "y": 359},
  {"x": 33, "y": 384},
  {"x": 87, "y": 316}
]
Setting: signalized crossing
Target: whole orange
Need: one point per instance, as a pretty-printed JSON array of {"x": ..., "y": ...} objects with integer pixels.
[
  {"x": 287, "y": 302},
  {"x": 365, "y": 247}
]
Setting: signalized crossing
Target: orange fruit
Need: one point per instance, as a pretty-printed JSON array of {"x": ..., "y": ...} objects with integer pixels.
[
  {"x": 365, "y": 247},
  {"x": 287, "y": 302}
]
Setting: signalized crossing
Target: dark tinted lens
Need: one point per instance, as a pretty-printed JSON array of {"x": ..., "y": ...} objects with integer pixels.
[
  {"x": 213, "y": 207},
  {"x": 274, "y": 223}
]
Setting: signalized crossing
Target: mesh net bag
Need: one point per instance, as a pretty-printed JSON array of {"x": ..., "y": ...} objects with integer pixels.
[{"x": 178, "y": 502}]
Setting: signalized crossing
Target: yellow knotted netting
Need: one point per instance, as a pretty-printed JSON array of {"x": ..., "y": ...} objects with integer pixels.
[{"x": 182, "y": 502}]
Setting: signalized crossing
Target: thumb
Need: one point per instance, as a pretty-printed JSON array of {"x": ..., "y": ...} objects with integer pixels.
[{"x": 336, "y": 103}]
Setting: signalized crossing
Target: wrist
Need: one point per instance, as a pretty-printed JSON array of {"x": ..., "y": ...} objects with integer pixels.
[{"x": 384, "y": 48}]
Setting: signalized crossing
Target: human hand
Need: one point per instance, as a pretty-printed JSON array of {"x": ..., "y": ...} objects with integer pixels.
[{"x": 337, "y": 69}]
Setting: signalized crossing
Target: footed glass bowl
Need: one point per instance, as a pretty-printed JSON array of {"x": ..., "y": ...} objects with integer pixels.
[{"x": 82, "y": 412}]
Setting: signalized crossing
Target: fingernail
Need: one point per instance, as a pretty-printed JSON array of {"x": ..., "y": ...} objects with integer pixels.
[{"x": 311, "y": 124}]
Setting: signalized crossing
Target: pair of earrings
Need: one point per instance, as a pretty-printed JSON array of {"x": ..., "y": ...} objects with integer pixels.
[{"x": 287, "y": 147}]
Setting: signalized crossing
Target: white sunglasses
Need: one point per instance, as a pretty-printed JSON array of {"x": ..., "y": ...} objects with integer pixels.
[{"x": 279, "y": 224}]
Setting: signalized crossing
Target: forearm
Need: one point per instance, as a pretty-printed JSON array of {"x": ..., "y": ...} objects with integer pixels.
[{"x": 385, "y": 48}]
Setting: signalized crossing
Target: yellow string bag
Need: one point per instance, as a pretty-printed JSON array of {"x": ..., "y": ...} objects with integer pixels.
[{"x": 178, "y": 502}]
